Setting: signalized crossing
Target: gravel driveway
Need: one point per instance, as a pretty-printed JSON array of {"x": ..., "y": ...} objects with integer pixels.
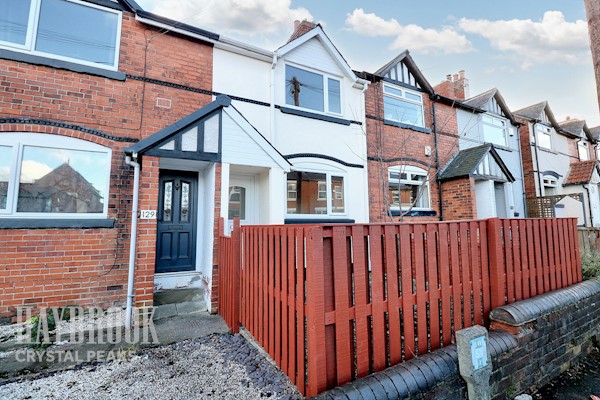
[{"x": 220, "y": 366}]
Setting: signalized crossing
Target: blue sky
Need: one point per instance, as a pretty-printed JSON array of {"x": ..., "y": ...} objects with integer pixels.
[{"x": 530, "y": 50}]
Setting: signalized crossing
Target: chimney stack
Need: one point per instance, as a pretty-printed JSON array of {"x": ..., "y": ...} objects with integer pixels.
[{"x": 455, "y": 86}]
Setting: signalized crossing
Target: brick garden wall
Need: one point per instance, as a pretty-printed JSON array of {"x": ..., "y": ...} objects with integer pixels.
[{"x": 50, "y": 267}]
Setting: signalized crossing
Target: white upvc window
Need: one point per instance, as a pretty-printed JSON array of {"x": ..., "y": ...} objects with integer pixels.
[
  {"x": 68, "y": 30},
  {"x": 494, "y": 130},
  {"x": 49, "y": 176},
  {"x": 550, "y": 185},
  {"x": 316, "y": 193},
  {"x": 312, "y": 90},
  {"x": 544, "y": 136},
  {"x": 582, "y": 148},
  {"x": 403, "y": 105},
  {"x": 408, "y": 187}
]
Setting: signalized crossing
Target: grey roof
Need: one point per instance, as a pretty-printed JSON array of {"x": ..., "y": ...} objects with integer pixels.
[
  {"x": 482, "y": 99},
  {"x": 532, "y": 112},
  {"x": 466, "y": 162},
  {"x": 406, "y": 58},
  {"x": 595, "y": 133},
  {"x": 574, "y": 126}
]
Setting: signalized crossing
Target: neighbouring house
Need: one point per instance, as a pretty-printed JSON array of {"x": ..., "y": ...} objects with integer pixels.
[
  {"x": 308, "y": 103},
  {"x": 559, "y": 164},
  {"x": 411, "y": 132},
  {"x": 82, "y": 81},
  {"x": 489, "y": 156}
]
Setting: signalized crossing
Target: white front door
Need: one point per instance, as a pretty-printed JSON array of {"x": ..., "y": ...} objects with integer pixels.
[{"x": 242, "y": 199}]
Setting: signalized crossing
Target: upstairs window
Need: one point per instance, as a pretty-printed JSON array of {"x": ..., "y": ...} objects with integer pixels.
[
  {"x": 68, "y": 30},
  {"x": 49, "y": 176},
  {"x": 402, "y": 105},
  {"x": 494, "y": 130},
  {"x": 311, "y": 90},
  {"x": 408, "y": 187},
  {"x": 544, "y": 137},
  {"x": 584, "y": 153}
]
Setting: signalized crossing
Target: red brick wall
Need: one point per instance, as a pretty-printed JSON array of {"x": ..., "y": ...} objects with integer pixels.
[
  {"x": 459, "y": 199},
  {"x": 392, "y": 146},
  {"x": 42, "y": 267},
  {"x": 529, "y": 175}
]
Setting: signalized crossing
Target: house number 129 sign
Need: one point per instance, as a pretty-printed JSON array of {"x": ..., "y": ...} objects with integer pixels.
[{"x": 148, "y": 214}]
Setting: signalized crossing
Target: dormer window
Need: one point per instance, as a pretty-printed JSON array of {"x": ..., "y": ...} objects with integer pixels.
[
  {"x": 311, "y": 90},
  {"x": 544, "y": 137},
  {"x": 584, "y": 153},
  {"x": 68, "y": 30},
  {"x": 403, "y": 105}
]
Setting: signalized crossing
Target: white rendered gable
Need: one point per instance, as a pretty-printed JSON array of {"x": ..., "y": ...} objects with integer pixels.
[{"x": 313, "y": 54}]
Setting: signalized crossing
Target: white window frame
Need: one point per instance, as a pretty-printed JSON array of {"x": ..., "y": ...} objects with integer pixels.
[
  {"x": 409, "y": 170},
  {"x": 541, "y": 129},
  {"x": 32, "y": 26},
  {"x": 501, "y": 123},
  {"x": 329, "y": 207},
  {"x": 583, "y": 146},
  {"x": 17, "y": 141},
  {"x": 292, "y": 188},
  {"x": 325, "y": 76},
  {"x": 404, "y": 98}
]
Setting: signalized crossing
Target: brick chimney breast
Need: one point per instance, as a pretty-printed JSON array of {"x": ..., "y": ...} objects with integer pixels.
[{"x": 300, "y": 28}]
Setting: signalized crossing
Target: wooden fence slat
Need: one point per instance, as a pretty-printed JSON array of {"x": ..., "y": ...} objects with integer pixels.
[
  {"x": 561, "y": 274},
  {"x": 508, "y": 261},
  {"x": 531, "y": 259},
  {"x": 538, "y": 256},
  {"x": 391, "y": 268},
  {"x": 554, "y": 256},
  {"x": 378, "y": 317},
  {"x": 291, "y": 310},
  {"x": 433, "y": 287},
  {"x": 545, "y": 255},
  {"x": 476, "y": 270},
  {"x": 277, "y": 269},
  {"x": 419, "y": 266},
  {"x": 523, "y": 258},
  {"x": 361, "y": 296},
  {"x": 315, "y": 313},
  {"x": 284, "y": 301},
  {"x": 456, "y": 276},
  {"x": 485, "y": 276},
  {"x": 465, "y": 265},
  {"x": 496, "y": 261},
  {"x": 407, "y": 292},
  {"x": 445, "y": 272},
  {"x": 301, "y": 326},
  {"x": 516, "y": 256},
  {"x": 342, "y": 327}
]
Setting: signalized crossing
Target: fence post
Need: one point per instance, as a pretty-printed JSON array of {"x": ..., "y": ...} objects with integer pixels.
[
  {"x": 496, "y": 262},
  {"x": 237, "y": 266},
  {"x": 315, "y": 313}
]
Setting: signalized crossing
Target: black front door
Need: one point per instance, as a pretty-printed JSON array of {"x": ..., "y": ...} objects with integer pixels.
[{"x": 176, "y": 227}]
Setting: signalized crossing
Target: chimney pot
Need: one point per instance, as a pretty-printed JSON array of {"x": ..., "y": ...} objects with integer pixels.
[
  {"x": 461, "y": 73},
  {"x": 455, "y": 77},
  {"x": 449, "y": 77}
]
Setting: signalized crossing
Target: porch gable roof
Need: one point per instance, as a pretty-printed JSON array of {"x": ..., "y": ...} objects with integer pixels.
[{"x": 466, "y": 163}]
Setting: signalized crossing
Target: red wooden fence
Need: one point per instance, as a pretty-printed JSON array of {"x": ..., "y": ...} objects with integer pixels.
[{"x": 334, "y": 303}]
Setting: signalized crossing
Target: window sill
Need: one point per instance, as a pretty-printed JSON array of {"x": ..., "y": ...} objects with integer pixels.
[
  {"x": 415, "y": 213},
  {"x": 60, "y": 64},
  {"x": 320, "y": 117},
  {"x": 35, "y": 223},
  {"x": 331, "y": 220},
  {"x": 406, "y": 126},
  {"x": 545, "y": 150}
]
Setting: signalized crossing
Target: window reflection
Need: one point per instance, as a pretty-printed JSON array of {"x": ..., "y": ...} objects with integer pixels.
[
  {"x": 237, "y": 202},
  {"x": 185, "y": 202}
]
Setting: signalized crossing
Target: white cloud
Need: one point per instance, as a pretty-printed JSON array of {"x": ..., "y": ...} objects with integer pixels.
[
  {"x": 32, "y": 170},
  {"x": 548, "y": 40},
  {"x": 412, "y": 37},
  {"x": 248, "y": 17}
]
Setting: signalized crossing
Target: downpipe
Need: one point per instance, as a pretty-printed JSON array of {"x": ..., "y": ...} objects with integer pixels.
[{"x": 133, "y": 239}]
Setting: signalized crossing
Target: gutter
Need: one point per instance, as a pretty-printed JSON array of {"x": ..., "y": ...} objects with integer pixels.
[{"x": 133, "y": 238}]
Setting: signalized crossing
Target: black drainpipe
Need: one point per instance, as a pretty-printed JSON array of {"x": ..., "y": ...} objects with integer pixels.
[{"x": 437, "y": 159}]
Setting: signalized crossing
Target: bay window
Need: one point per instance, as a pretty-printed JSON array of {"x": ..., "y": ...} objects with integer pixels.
[
  {"x": 402, "y": 105},
  {"x": 315, "y": 193},
  {"x": 48, "y": 176},
  {"x": 68, "y": 30},
  {"x": 311, "y": 90},
  {"x": 408, "y": 187}
]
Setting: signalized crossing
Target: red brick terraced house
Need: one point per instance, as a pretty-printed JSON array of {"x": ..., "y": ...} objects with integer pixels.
[{"x": 80, "y": 82}]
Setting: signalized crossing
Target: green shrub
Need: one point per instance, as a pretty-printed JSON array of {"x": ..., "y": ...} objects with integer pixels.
[{"x": 590, "y": 264}]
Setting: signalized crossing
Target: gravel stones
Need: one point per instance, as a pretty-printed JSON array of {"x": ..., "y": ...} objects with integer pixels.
[{"x": 220, "y": 366}]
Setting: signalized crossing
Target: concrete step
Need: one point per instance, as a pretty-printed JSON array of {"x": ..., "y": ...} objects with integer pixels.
[{"x": 170, "y": 303}]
